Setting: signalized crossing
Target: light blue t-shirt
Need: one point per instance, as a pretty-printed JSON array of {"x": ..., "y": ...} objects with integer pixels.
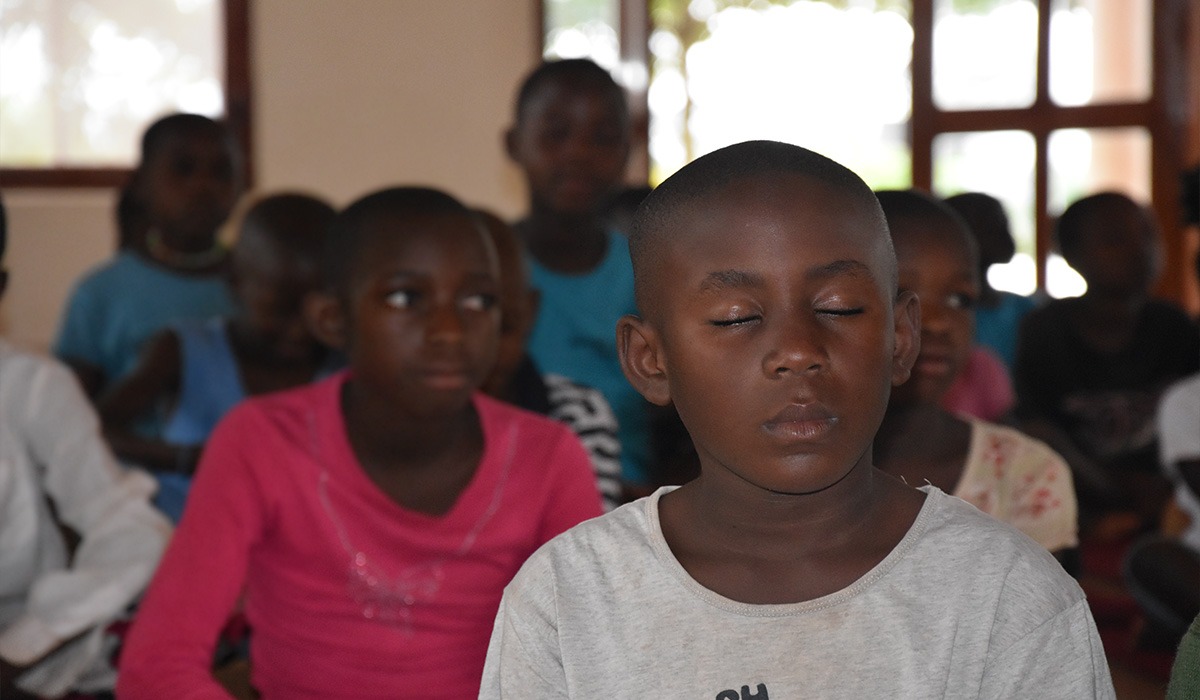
[
  {"x": 116, "y": 307},
  {"x": 575, "y": 335},
  {"x": 997, "y": 327},
  {"x": 210, "y": 384}
]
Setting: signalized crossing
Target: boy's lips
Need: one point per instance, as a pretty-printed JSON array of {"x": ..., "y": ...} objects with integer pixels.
[
  {"x": 801, "y": 422},
  {"x": 446, "y": 377},
  {"x": 933, "y": 365}
]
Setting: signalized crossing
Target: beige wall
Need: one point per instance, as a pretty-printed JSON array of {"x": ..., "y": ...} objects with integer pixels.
[{"x": 349, "y": 95}]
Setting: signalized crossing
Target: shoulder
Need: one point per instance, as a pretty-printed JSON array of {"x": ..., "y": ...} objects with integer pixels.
[
  {"x": 979, "y": 553},
  {"x": 291, "y": 414},
  {"x": 530, "y": 427},
  {"x": 613, "y": 550},
  {"x": 569, "y": 398},
  {"x": 1181, "y": 395},
  {"x": 1009, "y": 445},
  {"x": 21, "y": 372},
  {"x": 1166, "y": 313}
]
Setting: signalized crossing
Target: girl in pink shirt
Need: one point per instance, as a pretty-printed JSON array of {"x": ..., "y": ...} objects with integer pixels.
[{"x": 372, "y": 520}]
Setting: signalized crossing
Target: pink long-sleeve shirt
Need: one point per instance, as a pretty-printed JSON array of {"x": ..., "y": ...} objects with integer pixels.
[{"x": 349, "y": 595}]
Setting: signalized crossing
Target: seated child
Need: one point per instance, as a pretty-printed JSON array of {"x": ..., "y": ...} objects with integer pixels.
[
  {"x": 187, "y": 183},
  {"x": 199, "y": 370},
  {"x": 369, "y": 521},
  {"x": 517, "y": 380},
  {"x": 571, "y": 141},
  {"x": 57, "y": 478},
  {"x": 998, "y": 314},
  {"x": 791, "y": 567},
  {"x": 1090, "y": 370},
  {"x": 1003, "y": 473}
]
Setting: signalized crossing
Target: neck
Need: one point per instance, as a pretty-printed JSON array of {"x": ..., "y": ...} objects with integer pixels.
[
  {"x": 750, "y": 522},
  {"x": 564, "y": 242},
  {"x": 905, "y": 427},
  {"x": 384, "y": 438},
  {"x": 1107, "y": 307},
  {"x": 183, "y": 252}
]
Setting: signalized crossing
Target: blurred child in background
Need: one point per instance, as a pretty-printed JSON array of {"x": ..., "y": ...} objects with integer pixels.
[
  {"x": 517, "y": 380},
  {"x": 1014, "y": 478},
  {"x": 1090, "y": 370},
  {"x": 571, "y": 140},
  {"x": 187, "y": 183},
  {"x": 371, "y": 520},
  {"x": 198, "y": 370},
  {"x": 78, "y": 538}
]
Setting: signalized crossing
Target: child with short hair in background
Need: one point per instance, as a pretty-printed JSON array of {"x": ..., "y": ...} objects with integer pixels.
[
  {"x": 791, "y": 567},
  {"x": 185, "y": 185},
  {"x": 372, "y": 519},
  {"x": 195, "y": 371},
  {"x": 517, "y": 379},
  {"x": 570, "y": 138},
  {"x": 997, "y": 469},
  {"x": 1091, "y": 370}
]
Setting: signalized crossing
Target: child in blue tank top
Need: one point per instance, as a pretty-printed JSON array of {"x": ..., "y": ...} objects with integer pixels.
[
  {"x": 571, "y": 140},
  {"x": 196, "y": 371}
]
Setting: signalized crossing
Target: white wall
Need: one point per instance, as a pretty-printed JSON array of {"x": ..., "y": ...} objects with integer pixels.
[{"x": 349, "y": 96}]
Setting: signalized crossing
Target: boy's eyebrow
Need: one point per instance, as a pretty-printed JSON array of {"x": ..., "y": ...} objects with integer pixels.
[
  {"x": 741, "y": 279},
  {"x": 855, "y": 268},
  {"x": 730, "y": 279}
]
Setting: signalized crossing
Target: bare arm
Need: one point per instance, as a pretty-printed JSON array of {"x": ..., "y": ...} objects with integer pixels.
[
  {"x": 90, "y": 376},
  {"x": 156, "y": 378}
]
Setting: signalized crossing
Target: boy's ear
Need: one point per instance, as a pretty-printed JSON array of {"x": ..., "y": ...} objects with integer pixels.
[
  {"x": 641, "y": 359},
  {"x": 907, "y": 313},
  {"x": 326, "y": 319}
]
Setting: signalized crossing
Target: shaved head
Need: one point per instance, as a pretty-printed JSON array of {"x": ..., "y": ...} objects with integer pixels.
[{"x": 757, "y": 164}]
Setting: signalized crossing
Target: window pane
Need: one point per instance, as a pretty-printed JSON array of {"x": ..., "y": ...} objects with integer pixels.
[
  {"x": 1100, "y": 51},
  {"x": 833, "y": 80},
  {"x": 999, "y": 163},
  {"x": 1087, "y": 161},
  {"x": 583, "y": 29},
  {"x": 80, "y": 79},
  {"x": 984, "y": 54}
]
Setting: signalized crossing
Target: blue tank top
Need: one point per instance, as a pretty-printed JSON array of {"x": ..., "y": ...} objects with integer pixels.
[{"x": 209, "y": 385}]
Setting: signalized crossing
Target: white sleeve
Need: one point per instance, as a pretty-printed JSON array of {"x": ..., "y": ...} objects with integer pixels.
[
  {"x": 1061, "y": 658},
  {"x": 122, "y": 536},
  {"x": 524, "y": 659},
  {"x": 1178, "y": 418}
]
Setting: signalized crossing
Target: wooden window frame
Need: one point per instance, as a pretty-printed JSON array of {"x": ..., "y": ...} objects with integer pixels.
[
  {"x": 236, "y": 23},
  {"x": 1168, "y": 115}
]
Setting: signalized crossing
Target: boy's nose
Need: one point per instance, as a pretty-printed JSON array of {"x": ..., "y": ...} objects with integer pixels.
[
  {"x": 796, "y": 350},
  {"x": 445, "y": 324}
]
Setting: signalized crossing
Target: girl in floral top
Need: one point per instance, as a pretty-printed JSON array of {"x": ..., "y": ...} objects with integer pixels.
[{"x": 999, "y": 470}]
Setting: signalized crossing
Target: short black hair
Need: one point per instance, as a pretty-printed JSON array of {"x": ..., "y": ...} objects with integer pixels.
[
  {"x": 160, "y": 133},
  {"x": 575, "y": 71},
  {"x": 294, "y": 223},
  {"x": 903, "y": 207},
  {"x": 351, "y": 230},
  {"x": 988, "y": 223},
  {"x": 702, "y": 177},
  {"x": 1077, "y": 220}
]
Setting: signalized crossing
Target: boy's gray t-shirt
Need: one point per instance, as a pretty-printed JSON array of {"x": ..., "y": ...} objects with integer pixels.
[{"x": 963, "y": 607}]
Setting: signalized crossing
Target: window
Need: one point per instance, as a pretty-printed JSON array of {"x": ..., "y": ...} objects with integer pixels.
[
  {"x": 1033, "y": 101},
  {"x": 81, "y": 79}
]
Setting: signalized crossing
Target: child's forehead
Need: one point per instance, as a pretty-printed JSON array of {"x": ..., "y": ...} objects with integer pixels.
[
  {"x": 392, "y": 238},
  {"x": 557, "y": 92}
]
